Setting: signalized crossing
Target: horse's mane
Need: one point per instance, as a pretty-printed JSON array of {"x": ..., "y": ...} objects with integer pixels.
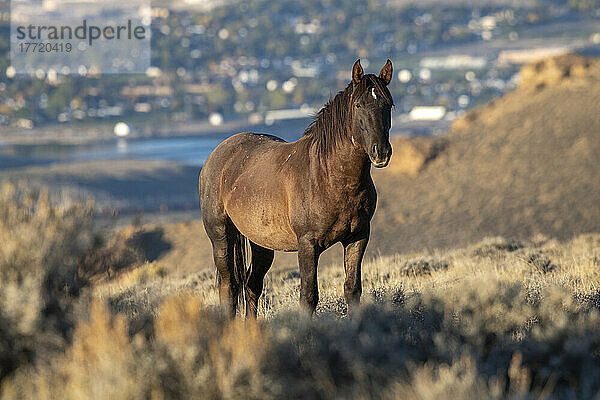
[{"x": 332, "y": 123}]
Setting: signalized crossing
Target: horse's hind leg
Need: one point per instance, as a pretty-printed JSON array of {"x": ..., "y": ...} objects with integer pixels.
[
  {"x": 262, "y": 258},
  {"x": 222, "y": 234}
]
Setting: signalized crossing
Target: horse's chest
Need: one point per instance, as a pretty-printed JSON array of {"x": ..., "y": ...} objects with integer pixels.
[{"x": 352, "y": 216}]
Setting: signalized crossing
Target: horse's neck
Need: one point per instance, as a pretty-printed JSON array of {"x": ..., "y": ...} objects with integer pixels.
[
  {"x": 349, "y": 163},
  {"x": 346, "y": 164}
]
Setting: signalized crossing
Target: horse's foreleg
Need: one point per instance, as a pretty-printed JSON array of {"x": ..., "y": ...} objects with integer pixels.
[
  {"x": 308, "y": 258},
  {"x": 353, "y": 255},
  {"x": 262, "y": 258}
]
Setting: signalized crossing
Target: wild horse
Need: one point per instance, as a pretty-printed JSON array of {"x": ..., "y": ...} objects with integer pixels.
[{"x": 303, "y": 196}]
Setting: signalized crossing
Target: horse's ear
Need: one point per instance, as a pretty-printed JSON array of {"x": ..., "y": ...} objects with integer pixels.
[
  {"x": 357, "y": 72},
  {"x": 386, "y": 72}
]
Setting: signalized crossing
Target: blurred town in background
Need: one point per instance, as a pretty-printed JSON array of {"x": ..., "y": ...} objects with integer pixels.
[
  {"x": 258, "y": 62},
  {"x": 136, "y": 142}
]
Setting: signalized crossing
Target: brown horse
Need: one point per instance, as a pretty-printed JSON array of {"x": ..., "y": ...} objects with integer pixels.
[{"x": 303, "y": 196}]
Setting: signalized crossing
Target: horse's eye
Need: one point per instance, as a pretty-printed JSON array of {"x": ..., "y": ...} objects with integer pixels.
[{"x": 357, "y": 105}]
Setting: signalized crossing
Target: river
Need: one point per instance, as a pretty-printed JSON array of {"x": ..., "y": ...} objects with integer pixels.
[{"x": 185, "y": 150}]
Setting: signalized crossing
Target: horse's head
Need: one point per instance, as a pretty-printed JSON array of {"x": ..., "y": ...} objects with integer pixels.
[{"x": 371, "y": 113}]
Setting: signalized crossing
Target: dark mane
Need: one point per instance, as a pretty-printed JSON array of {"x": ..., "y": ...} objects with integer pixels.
[{"x": 332, "y": 123}]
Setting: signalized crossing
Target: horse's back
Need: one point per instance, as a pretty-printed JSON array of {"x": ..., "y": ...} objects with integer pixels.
[
  {"x": 234, "y": 149},
  {"x": 242, "y": 179},
  {"x": 245, "y": 143}
]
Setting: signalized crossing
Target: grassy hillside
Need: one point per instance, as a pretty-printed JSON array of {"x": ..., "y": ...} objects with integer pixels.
[
  {"x": 526, "y": 163},
  {"x": 522, "y": 165},
  {"x": 86, "y": 316}
]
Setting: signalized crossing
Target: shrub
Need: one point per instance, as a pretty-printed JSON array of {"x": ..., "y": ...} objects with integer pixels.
[
  {"x": 422, "y": 266},
  {"x": 540, "y": 262},
  {"x": 49, "y": 253},
  {"x": 41, "y": 247},
  {"x": 496, "y": 247},
  {"x": 483, "y": 338}
]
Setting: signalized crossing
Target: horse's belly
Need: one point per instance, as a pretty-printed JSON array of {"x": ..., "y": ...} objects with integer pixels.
[
  {"x": 262, "y": 223},
  {"x": 271, "y": 236},
  {"x": 276, "y": 241}
]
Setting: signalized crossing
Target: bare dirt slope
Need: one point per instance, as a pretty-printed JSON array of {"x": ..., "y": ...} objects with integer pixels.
[{"x": 525, "y": 164}]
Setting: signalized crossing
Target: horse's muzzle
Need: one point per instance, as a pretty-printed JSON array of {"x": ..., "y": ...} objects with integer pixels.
[
  {"x": 380, "y": 159},
  {"x": 381, "y": 164}
]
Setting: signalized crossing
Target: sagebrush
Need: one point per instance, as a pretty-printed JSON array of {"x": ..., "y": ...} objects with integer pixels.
[{"x": 498, "y": 319}]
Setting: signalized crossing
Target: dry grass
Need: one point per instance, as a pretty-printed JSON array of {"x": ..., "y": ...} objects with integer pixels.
[
  {"x": 187, "y": 249},
  {"x": 498, "y": 319},
  {"x": 486, "y": 321}
]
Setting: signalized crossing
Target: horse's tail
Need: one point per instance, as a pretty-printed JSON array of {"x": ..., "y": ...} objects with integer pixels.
[{"x": 241, "y": 267}]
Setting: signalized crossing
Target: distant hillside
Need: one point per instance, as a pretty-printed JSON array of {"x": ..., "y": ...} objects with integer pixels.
[
  {"x": 525, "y": 164},
  {"x": 522, "y": 165}
]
